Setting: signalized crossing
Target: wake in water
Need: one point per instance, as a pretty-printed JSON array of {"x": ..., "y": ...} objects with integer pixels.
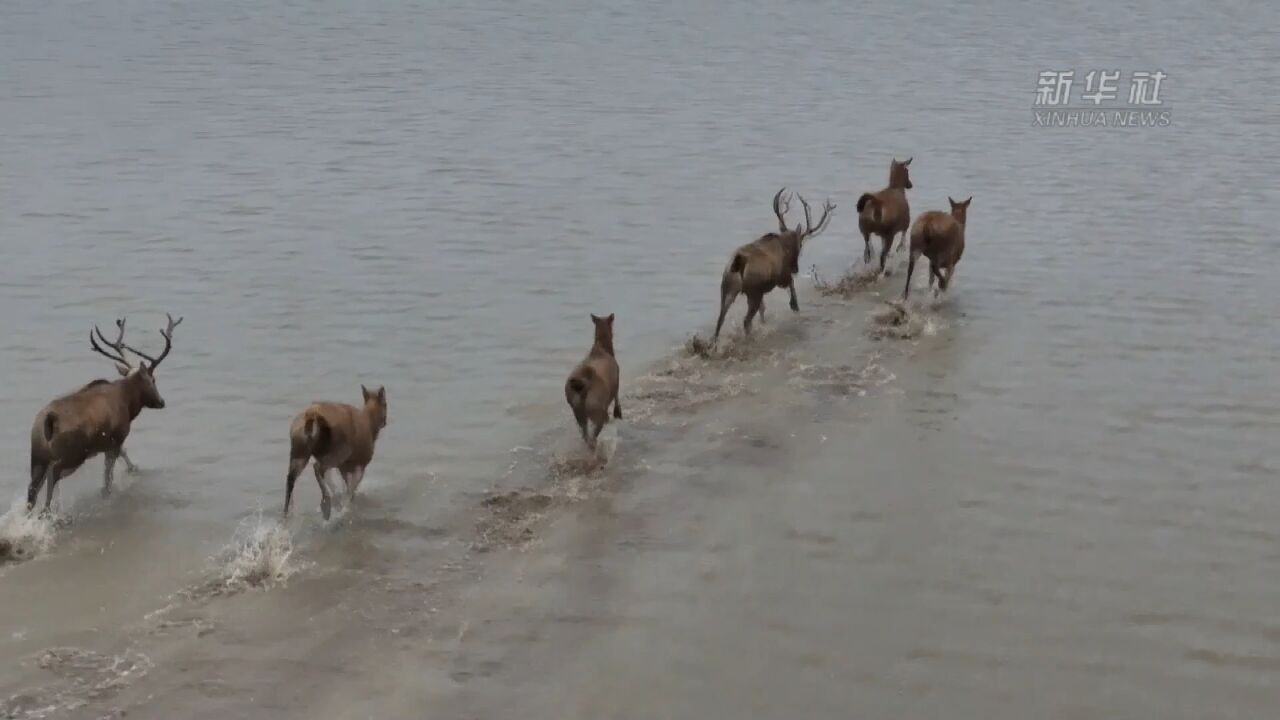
[
  {"x": 25, "y": 535},
  {"x": 855, "y": 280},
  {"x": 259, "y": 555},
  {"x": 83, "y": 676},
  {"x": 572, "y": 476}
]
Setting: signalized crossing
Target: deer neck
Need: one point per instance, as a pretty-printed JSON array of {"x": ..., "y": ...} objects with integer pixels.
[
  {"x": 131, "y": 389},
  {"x": 603, "y": 344},
  {"x": 371, "y": 415}
]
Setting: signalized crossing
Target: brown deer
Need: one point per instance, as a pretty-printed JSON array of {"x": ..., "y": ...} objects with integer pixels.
[
  {"x": 886, "y": 213},
  {"x": 940, "y": 238},
  {"x": 593, "y": 384},
  {"x": 336, "y": 435},
  {"x": 96, "y": 418},
  {"x": 771, "y": 261}
]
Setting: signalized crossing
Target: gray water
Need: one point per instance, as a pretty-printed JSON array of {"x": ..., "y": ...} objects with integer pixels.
[{"x": 1047, "y": 494}]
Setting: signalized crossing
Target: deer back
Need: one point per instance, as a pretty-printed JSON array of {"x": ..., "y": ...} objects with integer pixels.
[{"x": 87, "y": 421}]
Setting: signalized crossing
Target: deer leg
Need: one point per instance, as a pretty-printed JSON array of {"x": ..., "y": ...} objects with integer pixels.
[
  {"x": 795, "y": 304},
  {"x": 348, "y": 482},
  {"x": 324, "y": 490},
  {"x": 902, "y": 244},
  {"x": 728, "y": 293},
  {"x": 296, "y": 466},
  {"x": 108, "y": 470},
  {"x": 128, "y": 464},
  {"x": 617, "y": 405},
  {"x": 911, "y": 267},
  {"x": 38, "y": 474},
  {"x": 946, "y": 279},
  {"x": 762, "y": 311},
  {"x": 885, "y": 247},
  {"x": 580, "y": 416},
  {"x": 753, "y": 306},
  {"x": 866, "y": 252},
  {"x": 936, "y": 273},
  {"x": 595, "y": 436},
  {"x": 357, "y": 475},
  {"x": 51, "y": 483}
]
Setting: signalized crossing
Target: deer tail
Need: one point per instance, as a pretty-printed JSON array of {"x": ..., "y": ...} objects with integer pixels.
[
  {"x": 316, "y": 432},
  {"x": 873, "y": 201},
  {"x": 50, "y": 426},
  {"x": 577, "y": 386}
]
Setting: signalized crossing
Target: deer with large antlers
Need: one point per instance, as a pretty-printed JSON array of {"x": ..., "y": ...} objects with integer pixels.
[
  {"x": 97, "y": 417},
  {"x": 771, "y": 261}
]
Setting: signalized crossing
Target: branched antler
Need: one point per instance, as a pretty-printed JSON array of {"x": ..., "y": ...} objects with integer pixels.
[
  {"x": 167, "y": 334},
  {"x": 781, "y": 206},
  {"x": 810, "y": 229},
  {"x": 118, "y": 346}
]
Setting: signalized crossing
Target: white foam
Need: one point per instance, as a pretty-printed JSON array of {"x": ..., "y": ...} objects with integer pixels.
[
  {"x": 260, "y": 554},
  {"x": 25, "y": 535}
]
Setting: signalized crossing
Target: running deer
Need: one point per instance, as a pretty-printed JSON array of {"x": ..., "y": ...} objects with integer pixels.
[
  {"x": 335, "y": 435},
  {"x": 96, "y": 418},
  {"x": 886, "y": 213},
  {"x": 771, "y": 261},
  {"x": 940, "y": 238},
  {"x": 593, "y": 384}
]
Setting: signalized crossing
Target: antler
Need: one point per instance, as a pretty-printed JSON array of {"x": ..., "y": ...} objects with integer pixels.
[
  {"x": 118, "y": 345},
  {"x": 781, "y": 206},
  {"x": 811, "y": 229},
  {"x": 167, "y": 333}
]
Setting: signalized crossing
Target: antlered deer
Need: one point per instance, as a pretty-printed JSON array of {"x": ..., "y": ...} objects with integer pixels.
[
  {"x": 336, "y": 435},
  {"x": 96, "y": 418},
  {"x": 886, "y": 213},
  {"x": 771, "y": 261},
  {"x": 593, "y": 384},
  {"x": 940, "y": 238}
]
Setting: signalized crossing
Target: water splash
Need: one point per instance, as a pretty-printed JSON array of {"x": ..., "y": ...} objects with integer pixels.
[
  {"x": 903, "y": 322},
  {"x": 25, "y": 535},
  {"x": 259, "y": 555}
]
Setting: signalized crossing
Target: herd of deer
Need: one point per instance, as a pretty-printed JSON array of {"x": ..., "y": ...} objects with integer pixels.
[{"x": 336, "y": 436}]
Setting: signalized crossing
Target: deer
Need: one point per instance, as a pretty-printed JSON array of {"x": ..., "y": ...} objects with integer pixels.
[
  {"x": 940, "y": 238},
  {"x": 770, "y": 261},
  {"x": 336, "y": 436},
  {"x": 95, "y": 419},
  {"x": 593, "y": 383},
  {"x": 886, "y": 213}
]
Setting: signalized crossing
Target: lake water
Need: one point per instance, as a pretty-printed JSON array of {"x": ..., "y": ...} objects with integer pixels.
[{"x": 1047, "y": 494}]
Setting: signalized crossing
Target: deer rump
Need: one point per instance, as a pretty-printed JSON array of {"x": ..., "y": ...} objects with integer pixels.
[{"x": 78, "y": 426}]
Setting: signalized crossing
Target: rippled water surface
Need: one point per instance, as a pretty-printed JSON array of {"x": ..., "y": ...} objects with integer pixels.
[{"x": 1046, "y": 495}]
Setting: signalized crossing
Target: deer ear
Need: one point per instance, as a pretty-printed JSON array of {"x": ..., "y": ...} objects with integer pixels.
[
  {"x": 382, "y": 395},
  {"x": 123, "y": 369},
  {"x": 609, "y": 319},
  {"x": 907, "y": 162},
  {"x": 966, "y": 202},
  {"x": 364, "y": 391},
  {"x": 953, "y": 202}
]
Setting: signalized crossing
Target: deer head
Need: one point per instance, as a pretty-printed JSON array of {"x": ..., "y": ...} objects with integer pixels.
[
  {"x": 899, "y": 176},
  {"x": 960, "y": 210},
  {"x": 144, "y": 373},
  {"x": 375, "y": 402},
  {"x": 795, "y": 237}
]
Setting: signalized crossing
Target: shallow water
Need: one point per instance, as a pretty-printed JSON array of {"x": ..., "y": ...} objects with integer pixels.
[{"x": 1046, "y": 494}]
